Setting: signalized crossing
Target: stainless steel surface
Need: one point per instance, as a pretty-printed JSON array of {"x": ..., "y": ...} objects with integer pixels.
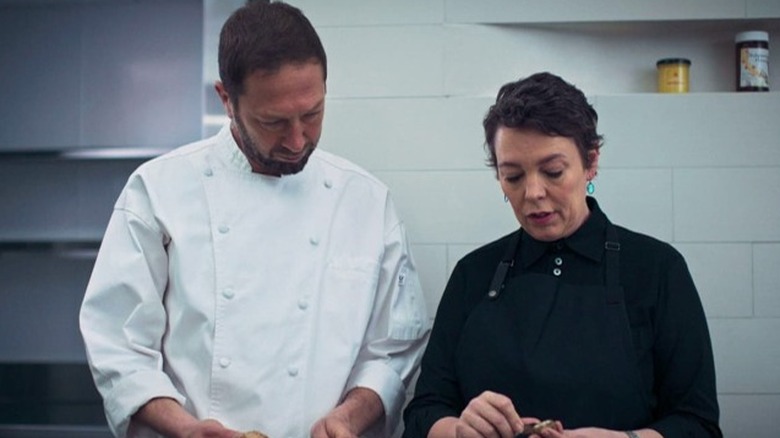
[{"x": 58, "y": 431}]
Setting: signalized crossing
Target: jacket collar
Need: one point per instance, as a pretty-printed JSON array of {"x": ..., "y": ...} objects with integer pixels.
[{"x": 587, "y": 241}]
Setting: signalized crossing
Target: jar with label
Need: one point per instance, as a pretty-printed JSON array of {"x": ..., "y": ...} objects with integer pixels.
[
  {"x": 673, "y": 75},
  {"x": 752, "y": 61}
]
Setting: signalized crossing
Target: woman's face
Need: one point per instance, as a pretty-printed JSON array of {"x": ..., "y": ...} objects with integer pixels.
[{"x": 544, "y": 179}]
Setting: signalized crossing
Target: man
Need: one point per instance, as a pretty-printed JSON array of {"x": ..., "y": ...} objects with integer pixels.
[{"x": 250, "y": 281}]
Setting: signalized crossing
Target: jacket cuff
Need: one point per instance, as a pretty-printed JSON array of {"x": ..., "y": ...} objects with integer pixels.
[
  {"x": 387, "y": 384},
  {"x": 134, "y": 391}
]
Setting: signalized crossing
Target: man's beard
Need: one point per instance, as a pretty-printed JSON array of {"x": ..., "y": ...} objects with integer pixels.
[{"x": 267, "y": 163}]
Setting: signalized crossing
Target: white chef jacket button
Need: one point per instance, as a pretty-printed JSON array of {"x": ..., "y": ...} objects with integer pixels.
[
  {"x": 224, "y": 229},
  {"x": 208, "y": 172},
  {"x": 314, "y": 240},
  {"x": 328, "y": 183},
  {"x": 558, "y": 261},
  {"x": 224, "y": 362},
  {"x": 303, "y": 304},
  {"x": 228, "y": 293},
  {"x": 557, "y": 272},
  {"x": 292, "y": 371}
]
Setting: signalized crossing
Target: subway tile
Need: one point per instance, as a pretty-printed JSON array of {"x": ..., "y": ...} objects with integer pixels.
[
  {"x": 481, "y": 58},
  {"x": 763, "y": 9},
  {"x": 747, "y": 355},
  {"x": 715, "y": 138},
  {"x": 766, "y": 279},
  {"x": 723, "y": 274},
  {"x": 371, "y": 12},
  {"x": 407, "y": 133},
  {"x": 638, "y": 199},
  {"x": 384, "y": 61},
  {"x": 557, "y": 11},
  {"x": 431, "y": 265},
  {"x": 726, "y": 204},
  {"x": 749, "y": 415},
  {"x": 450, "y": 206}
]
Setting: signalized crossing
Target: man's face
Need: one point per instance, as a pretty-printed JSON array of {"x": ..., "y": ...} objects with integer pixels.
[{"x": 277, "y": 121}]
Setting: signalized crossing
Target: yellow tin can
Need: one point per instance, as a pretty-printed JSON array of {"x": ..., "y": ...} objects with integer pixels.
[{"x": 673, "y": 75}]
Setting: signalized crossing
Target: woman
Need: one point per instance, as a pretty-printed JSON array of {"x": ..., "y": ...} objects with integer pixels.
[{"x": 570, "y": 318}]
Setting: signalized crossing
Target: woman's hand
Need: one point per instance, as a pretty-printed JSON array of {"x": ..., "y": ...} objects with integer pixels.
[
  {"x": 490, "y": 415},
  {"x": 585, "y": 432}
]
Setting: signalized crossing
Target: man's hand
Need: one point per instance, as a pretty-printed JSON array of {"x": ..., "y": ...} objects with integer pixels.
[
  {"x": 168, "y": 418},
  {"x": 332, "y": 426},
  {"x": 210, "y": 429},
  {"x": 360, "y": 409}
]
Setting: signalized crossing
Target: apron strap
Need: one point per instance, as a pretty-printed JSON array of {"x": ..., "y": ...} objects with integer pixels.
[
  {"x": 507, "y": 261},
  {"x": 612, "y": 245}
]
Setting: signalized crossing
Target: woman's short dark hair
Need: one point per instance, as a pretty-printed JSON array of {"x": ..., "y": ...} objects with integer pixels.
[
  {"x": 548, "y": 104},
  {"x": 265, "y": 36}
]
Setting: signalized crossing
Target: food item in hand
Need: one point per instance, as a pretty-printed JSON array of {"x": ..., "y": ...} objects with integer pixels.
[
  {"x": 537, "y": 427},
  {"x": 253, "y": 434}
]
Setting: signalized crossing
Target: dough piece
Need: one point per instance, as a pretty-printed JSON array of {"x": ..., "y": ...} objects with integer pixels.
[
  {"x": 253, "y": 434},
  {"x": 541, "y": 425}
]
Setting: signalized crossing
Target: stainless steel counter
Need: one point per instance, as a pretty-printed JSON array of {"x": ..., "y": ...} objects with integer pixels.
[{"x": 52, "y": 431}]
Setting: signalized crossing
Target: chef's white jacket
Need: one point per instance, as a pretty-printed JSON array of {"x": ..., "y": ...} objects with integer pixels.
[{"x": 254, "y": 300}]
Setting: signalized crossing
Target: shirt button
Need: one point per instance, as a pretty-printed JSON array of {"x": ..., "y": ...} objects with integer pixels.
[
  {"x": 314, "y": 240},
  {"x": 228, "y": 293},
  {"x": 224, "y": 229},
  {"x": 224, "y": 362},
  {"x": 328, "y": 183},
  {"x": 208, "y": 172},
  {"x": 557, "y": 272},
  {"x": 558, "y": 261},
  {"x": 292, "y": 371},
  {"x": 303, "y": 304}
]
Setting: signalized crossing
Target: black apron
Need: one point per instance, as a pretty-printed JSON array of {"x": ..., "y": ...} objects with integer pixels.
[{"x": 559, "y": 351}]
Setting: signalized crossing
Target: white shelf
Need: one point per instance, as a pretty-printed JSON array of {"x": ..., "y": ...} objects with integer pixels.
[
  {"x": 567, "y": 11},
  {"x": 599, "y": 57}
]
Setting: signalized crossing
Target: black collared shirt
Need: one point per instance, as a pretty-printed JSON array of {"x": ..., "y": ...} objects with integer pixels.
[{"x": 668, "y": 324}]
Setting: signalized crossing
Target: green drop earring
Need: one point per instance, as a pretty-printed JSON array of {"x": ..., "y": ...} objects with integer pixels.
[{"x": 590, "y": 187}]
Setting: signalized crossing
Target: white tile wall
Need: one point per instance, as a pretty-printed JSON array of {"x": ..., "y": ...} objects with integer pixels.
[
  {"x": 372, "y": 12},
  {"x": 732, "y": 129},
  {"x": 747, "y": 355},
  {"x": 431, "y": 261},
  {"x": 381, "y": 61},
  {"x": 503, "y": 11},
  {"x": 639, "y": 199},
  {"x": 450, "y": 206},
  {"x": 416, "y": 133},
  {"x": 766, "y": 279},
  {"x": 602, "y": 58},
  {"x": 741, "y": 413},
  {"x": 724, "y": 292},
  {"x": 727, "y": 204},
  {"x": 409, "y": 86},
  {"x": 410, "y": 82}
]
